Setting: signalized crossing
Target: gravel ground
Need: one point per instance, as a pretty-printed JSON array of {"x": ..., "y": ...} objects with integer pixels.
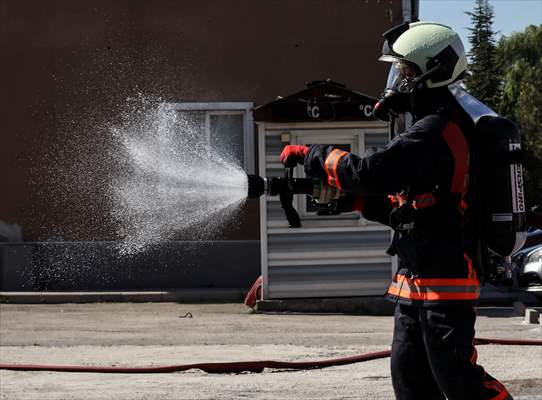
[{"x": 127, "y": 334}]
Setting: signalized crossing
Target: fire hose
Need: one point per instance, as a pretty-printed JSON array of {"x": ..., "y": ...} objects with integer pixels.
[{"x": 241, "y": 366}]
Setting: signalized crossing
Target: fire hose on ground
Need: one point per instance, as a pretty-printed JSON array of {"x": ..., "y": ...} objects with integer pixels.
[{"x": 241, "y": 366}]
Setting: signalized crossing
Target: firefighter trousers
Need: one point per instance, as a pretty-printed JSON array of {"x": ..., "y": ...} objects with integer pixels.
[{"x": 433, "y": 357}]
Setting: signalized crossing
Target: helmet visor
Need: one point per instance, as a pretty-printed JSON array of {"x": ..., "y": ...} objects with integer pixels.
[{"x": 401, "y": 77}]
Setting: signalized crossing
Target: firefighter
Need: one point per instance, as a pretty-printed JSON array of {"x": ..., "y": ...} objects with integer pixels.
[{"x": 418, "y": 185}]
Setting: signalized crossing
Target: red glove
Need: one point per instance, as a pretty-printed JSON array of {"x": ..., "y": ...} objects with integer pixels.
[{"x": 292, "y": 155}]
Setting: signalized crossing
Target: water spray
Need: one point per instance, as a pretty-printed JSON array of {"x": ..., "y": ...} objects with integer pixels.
[{"x": 167, "y": 180}]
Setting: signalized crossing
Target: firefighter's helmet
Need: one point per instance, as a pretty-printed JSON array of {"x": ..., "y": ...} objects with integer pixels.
[{"x": 424, "y": 54}]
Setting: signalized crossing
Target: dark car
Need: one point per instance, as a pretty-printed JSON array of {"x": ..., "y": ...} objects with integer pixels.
[
  {"x": 524, "y": 270},
  {"x": 534, "y": 237}
]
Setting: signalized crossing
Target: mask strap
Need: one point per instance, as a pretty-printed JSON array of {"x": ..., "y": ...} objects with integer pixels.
[{"x": 425, "y": 77}]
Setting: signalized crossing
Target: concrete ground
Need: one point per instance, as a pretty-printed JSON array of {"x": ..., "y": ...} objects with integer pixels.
[{"x": 129, "y": 334}]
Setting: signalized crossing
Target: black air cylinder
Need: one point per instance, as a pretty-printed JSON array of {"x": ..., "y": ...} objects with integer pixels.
[{"x": 501, "y": 184}]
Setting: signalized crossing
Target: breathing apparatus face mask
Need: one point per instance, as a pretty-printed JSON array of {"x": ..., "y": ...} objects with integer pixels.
[
  {"x": 396, "y": 104},
  {"x": 397, "y": 98},
  {"x": 401, "y": 78}
]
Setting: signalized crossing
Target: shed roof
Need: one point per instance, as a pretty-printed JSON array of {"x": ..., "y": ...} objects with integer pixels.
[{"x": 319, "y": 101}]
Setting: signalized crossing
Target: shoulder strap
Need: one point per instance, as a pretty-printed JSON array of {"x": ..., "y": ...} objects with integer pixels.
[{"x": 456, "y": 141}]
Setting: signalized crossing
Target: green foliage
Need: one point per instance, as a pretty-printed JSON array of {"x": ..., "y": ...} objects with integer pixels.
[
  {"x": 484, "y": 81},
  {"x": 520, "y": 60}
]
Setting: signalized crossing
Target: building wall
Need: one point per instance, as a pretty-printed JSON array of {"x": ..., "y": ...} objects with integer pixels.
[{"x": 68, "y": 67}]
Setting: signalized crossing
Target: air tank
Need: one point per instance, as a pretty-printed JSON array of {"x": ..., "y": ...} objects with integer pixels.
[{"x": 501, "y": 184}]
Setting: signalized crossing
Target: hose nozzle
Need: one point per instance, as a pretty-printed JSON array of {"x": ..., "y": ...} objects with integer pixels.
[
  {"x": 256, "y": 186},
  {"x": 287, "y": 187}
]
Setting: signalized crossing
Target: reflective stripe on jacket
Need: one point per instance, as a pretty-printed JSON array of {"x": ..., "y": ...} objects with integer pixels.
[
  {"x": 330, "y": 166},
  {"x": 436, "y": 289}
]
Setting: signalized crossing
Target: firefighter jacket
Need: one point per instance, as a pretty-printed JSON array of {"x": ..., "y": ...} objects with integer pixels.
[{"x": 416, "y": 185}]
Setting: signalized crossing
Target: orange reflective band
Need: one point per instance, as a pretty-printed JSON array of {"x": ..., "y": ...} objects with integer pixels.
[
  {"x": 498, "y": 387},
  {"x": 330, "y": 167},
  {"x": 406, "y": 293},
  {"x": 420, "y": 282},
  {"x": 504, "y": 395},
  {"x": 435, "y": 288},
  {"x": 455, "y": 139}
]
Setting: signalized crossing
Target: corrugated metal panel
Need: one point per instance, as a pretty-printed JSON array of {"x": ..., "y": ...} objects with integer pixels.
[
  {"x": 328, "y": 241},
  {"x": 329, "y": 281},
  {"x": 328, "y": 257},
  {"x": 273, "y": 148}
]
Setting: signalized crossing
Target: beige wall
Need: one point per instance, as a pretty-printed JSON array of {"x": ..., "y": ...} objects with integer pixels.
[{"x": 67, "y": 65}]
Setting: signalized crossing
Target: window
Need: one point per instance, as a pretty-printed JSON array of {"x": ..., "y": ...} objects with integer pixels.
[
  {"x": 227, "y": 127},
  {"x": 225, "y": 130}
]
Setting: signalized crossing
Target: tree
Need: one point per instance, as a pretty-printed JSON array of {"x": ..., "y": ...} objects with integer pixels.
[
  {"x": 520, "y": 58},
  {"x": 484, "y": 81}
]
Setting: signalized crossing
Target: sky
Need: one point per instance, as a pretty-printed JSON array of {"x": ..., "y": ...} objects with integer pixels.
[{"x": 509, "y": 15}]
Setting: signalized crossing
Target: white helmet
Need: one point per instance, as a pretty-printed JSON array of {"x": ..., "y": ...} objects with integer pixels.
[{"x": 423, "y": 52}]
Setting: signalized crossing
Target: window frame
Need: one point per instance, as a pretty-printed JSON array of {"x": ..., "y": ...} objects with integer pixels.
[{"x": 227, "y": 108}]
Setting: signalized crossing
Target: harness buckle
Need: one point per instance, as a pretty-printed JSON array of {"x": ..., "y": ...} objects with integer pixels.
[
  {"x": 402, "y": 217},
  {"x": 410, "y": 279}
]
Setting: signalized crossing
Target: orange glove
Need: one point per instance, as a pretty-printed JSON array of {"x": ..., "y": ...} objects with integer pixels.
[{"x": 292, "y": 155}]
